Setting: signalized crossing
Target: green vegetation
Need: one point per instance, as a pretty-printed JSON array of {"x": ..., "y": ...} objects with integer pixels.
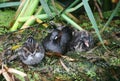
[
  {"x": 101, "y": 63},
  {"x": 6, "y": 16}
]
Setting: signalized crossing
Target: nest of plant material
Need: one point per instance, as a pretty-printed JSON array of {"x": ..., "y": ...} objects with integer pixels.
[{"x": 96, "y": 62}]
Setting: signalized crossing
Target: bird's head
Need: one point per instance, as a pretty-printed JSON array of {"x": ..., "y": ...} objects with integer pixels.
[
  {"x": 55, "y": 35},
  {"x": 85, "y": 38}
]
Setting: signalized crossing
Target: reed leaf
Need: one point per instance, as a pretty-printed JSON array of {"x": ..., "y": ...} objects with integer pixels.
[
  {"x": 112, "y": 15},
  {"x": 92, "y": 19},
  {"x": 68, "y": 17},
  {"x": 31, "y": 20},
  {"x": 9, "y": 4},
  {"x": 65, "y": 17},
  {"x": 46, "y": 8},
  {"x": 31, "y": 7},
  {"x": 75, "y": 8},
  {"x": 19, "y": 8},
  {"x": 41, "y": 16},
  {"x": 28, "y": 10},
  {"x": 71, "y": 5},
  {"x": 16, "y": 24}
]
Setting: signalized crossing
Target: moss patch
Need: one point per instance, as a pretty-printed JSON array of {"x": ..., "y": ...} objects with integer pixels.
[{"x": 6, "y": 17}]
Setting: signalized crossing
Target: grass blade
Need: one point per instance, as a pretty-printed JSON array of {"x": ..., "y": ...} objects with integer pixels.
[
  {"x": 46, "y": 8},
  {"x": 65, "y": 17},
  {"x": 112, "y": 15},
  {"x": 9, "y": 4},
  {"x": 19, "y": 9},
  {"x": 28, "y": 10},
  {"x": 75, "y": 8},
  {"x": 92, "y": 19},
  {"x": 41, "y": 16}
]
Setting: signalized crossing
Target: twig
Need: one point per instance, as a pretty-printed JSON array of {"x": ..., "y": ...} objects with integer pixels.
[
  {"x": 69, "y": 58},
  {"x": 64, "y": 66},
  {"x": 8, "y": 73},
  {"x": 99, "y": 10}
]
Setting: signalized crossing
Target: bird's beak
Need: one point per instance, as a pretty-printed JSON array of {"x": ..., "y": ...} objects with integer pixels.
[{"x": 86, "y": 43}]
